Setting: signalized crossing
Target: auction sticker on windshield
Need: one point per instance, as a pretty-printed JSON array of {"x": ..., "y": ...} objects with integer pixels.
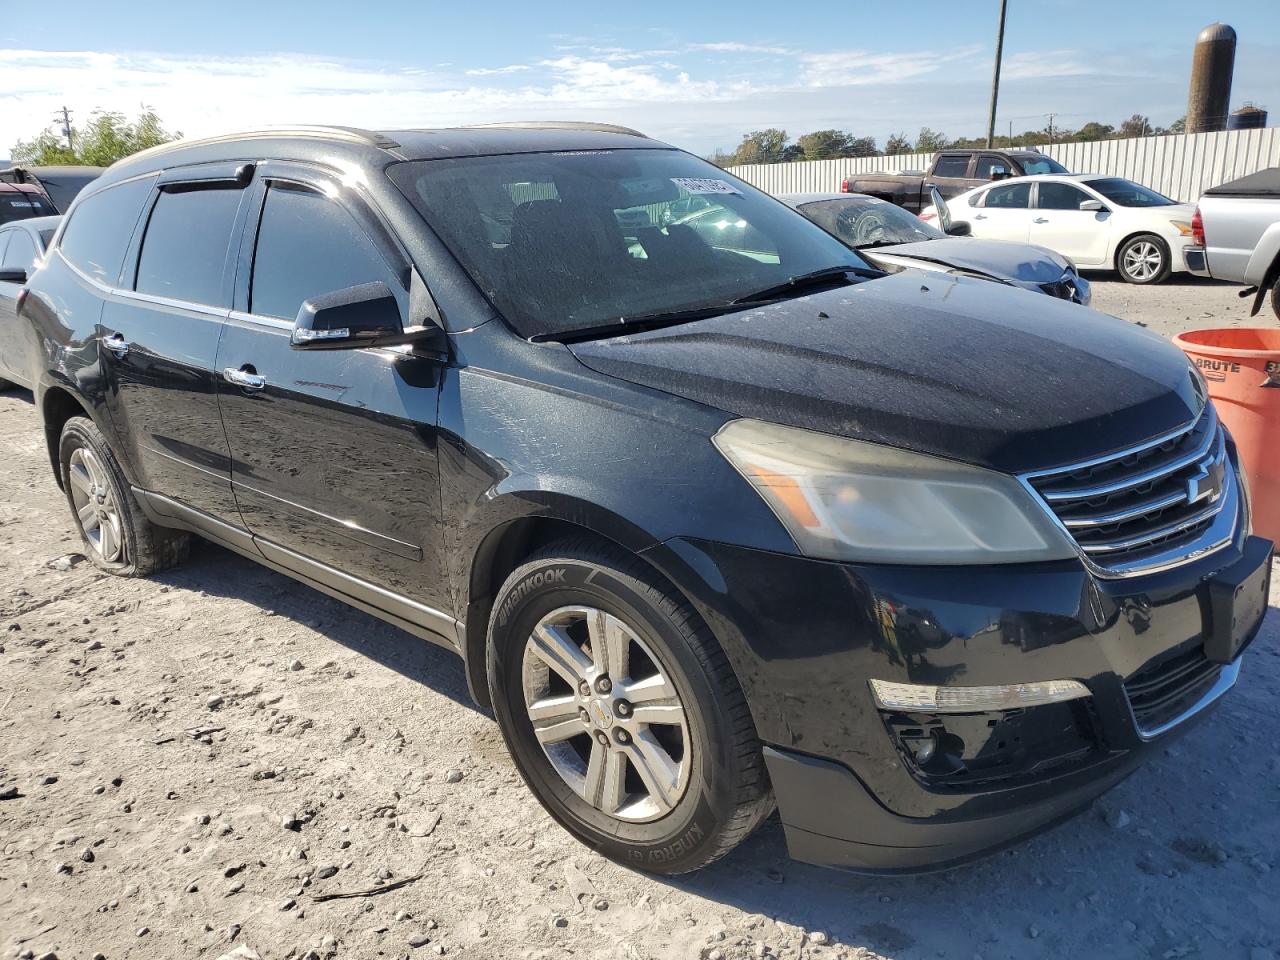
[{"x": 704, "y": 185}]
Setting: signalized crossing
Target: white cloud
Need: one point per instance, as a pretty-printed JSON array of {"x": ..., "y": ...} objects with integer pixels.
[
  {"x": 1043, "y": 64},
  {"x": 497, "y": 71},
  {"x": 847, "y": 68},
  {"x": 735, "y": 47}
]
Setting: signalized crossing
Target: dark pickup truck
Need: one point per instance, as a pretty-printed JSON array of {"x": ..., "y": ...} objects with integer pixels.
[{"x": 953, "y": 172}]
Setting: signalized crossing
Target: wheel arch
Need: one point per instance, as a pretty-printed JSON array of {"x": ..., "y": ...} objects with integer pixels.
[{"x": 59, "y": 403}]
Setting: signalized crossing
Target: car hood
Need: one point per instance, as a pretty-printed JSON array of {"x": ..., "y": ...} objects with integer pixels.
[
  {"x": 1024, "y": 262},
  {"x": 956, "y": 367}
]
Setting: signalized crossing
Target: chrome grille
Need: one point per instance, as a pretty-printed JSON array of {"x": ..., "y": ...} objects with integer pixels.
[{"x": 1146, "y": 501}]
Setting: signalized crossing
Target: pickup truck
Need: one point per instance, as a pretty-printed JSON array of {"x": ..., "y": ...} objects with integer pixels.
[
  {"x": 1236, "y": 235},
  {"x": 953, "y": 172}
]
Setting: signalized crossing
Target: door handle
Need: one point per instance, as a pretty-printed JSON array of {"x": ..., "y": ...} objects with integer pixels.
[
  {"x": 244, "y": 378},
  {"x": 1040, "y": 220},
  {"x": 117, "y": 345},
  {"x": 979, "y": 216}
]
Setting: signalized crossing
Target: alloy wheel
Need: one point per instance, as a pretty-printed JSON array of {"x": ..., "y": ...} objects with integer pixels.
[
  {"x": 1142, "y": 260},
  {"x": 607, "y": 714},
  {"x": 95, "y": 505}
]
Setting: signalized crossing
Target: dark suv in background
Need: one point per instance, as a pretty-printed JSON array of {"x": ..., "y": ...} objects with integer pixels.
[{"x": 714, "y": 515}]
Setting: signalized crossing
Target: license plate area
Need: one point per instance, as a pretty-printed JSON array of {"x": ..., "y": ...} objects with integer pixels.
[{"x": 1237, "y": 601}]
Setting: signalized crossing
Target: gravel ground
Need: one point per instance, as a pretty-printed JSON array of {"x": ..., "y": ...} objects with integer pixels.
[{"x": 192, "y": 764}]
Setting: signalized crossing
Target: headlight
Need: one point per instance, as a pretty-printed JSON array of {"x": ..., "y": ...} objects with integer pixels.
[
  {"x": 852, "y": 500},
  {"x": 1182, "y": 226}
]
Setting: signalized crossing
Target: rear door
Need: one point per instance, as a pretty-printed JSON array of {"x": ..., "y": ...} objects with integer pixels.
[
  {"x": 17, "y": 252},
  {"x": 159, "y": 337},
  {"x": 334, "y": 452},
  {"x": 951, "y": 174},
  {"x": 1004, "y": 212},
  {"x": 1061, "y": 225}
]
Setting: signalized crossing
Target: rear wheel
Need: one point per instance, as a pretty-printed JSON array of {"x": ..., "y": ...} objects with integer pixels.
[
  {"x": 1275, "y": 298},
  {"x": 1143, "y": 259},
  {"x": 118, "y": 538},
  {"x": 621, "y": 711}
]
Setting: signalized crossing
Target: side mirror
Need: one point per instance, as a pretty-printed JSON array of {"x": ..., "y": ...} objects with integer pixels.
[
  {"x": 366, "y": 315},
  {"x": 961, "y": 228},
  {"x": 999, "y": 172},
  {"x": 13, "y": 275},
  {"x": 1093, "y": 206}
]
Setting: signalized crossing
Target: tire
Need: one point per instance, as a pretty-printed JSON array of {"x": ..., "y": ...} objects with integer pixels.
[
  {"x": 1275, "y": 298},
  {"x": 118, "y": 538},
  {"x": 716, "y": 793},
  {"x": 6, "y": 384},
  {"x": 1144, "y": 259}
]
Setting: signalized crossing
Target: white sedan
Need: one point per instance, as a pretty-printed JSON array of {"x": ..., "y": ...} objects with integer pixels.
[{"x": 1098, "y": 222}]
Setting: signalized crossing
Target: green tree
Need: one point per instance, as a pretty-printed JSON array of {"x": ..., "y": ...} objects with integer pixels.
[
  {"x": 896, "y": 144},
  {"x": 930, "y": 141},
  {"x": 762, "y": 146},
  {"x": 829, "y": 144},
  {"x": 1136, "y": 126},
  {"x": 1093, "y": 130},
  {"x": 106, "y": 138}
]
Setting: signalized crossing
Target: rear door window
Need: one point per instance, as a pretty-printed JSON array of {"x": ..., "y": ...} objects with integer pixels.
[
  {"x": 185, "y": 247},
  {"x": 101, "y": 227},
  {"x": 1011, "y": 196},
  {"x": 21, "y": 252},
  {"x": 308, "y": 245},
  {"x": 21, "y": 205},
  {"x": 952, "y": 165}
]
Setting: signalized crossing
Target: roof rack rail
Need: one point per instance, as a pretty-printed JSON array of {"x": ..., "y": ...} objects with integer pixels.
[
  {"x": 562, "y": 125},
  {"x": 318, "y": 131}
]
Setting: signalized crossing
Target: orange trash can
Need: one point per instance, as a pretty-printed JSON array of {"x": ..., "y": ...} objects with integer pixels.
[{"x": 1242, "y": 368}]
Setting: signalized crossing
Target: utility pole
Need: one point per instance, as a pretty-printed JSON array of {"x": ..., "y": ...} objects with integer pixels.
[
  {"x": 1051, "y": 116},
  {"x": 65, "y": 116},
  {"x": 995, "y": 77},
  {"x": 1011, "y": 133}
]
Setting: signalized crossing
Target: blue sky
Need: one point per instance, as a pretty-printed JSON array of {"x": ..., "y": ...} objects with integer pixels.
[{"x": 696, "y": 74}]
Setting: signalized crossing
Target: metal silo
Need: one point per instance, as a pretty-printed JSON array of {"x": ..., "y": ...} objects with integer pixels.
[
  {"x": 1211, "y": 67},
  {"x": 1248, "y": 117}
]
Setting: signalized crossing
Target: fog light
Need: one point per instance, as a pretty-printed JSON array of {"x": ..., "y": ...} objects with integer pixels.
[{"x": 925, "y": 698}]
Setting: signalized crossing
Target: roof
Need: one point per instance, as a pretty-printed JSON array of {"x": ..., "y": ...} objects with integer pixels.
[
  {"x": 319, "y": 141},
  {"x": 1264, "y": 183},
  {"x": 21, "y": 187},
  {"x": 59, "y": 170},
  {"x": 35, "y": 223}
]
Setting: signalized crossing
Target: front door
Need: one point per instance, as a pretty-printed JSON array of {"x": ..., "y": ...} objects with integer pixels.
[
  {"x": 159, "y": 338},
  {"x": 334, "y": 452},
  {"x": 1062, "y": 226},
  {"x": 951, "y": 174}
]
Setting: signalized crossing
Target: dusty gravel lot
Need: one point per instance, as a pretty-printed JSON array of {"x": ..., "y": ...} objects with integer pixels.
[{"x": 192, "y": 763}]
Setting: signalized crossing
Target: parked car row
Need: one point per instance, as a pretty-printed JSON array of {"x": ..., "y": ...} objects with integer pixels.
[
  {"x": 22, "y": 246},
  {"x": 952, "y": 172},
  {"x": 57, "y": 186},
  {"x": 718, "y": 513}
]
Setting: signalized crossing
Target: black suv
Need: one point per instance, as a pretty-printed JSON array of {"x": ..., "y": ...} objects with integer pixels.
[{"x": 714, "y": 517}]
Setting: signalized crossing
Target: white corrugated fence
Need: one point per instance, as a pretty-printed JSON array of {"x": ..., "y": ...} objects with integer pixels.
[{"x": 1181, "y": 167}]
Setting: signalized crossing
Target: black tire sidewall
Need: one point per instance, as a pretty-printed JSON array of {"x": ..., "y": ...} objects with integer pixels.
[
  {"x": 681, "y": 836},
  {"x": 81, "y": 432},
  {"x": 1166, "y": 264}
]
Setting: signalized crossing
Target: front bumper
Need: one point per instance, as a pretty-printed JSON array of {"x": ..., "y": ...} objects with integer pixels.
[{"x": 806, "y": 635}]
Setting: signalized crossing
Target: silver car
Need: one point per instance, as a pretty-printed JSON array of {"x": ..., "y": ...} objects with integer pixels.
[{"x": 892, "y": 237}]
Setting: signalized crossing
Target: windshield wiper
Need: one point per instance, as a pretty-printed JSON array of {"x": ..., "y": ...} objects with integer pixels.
[
  {"x": 805, "y": 282},
  {"x": 638, "y": 323}
]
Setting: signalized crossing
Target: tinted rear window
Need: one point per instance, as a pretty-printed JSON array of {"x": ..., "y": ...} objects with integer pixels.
[
  {"x": 21, "y": 252},
  {"x": 20, "y": 205},
  {"x": 100, "y": 229},
  {"x": 185, "y": 245},
  {"x": 953, "y": 166}
]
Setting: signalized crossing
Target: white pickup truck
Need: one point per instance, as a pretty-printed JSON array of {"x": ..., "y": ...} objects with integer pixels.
[{"x": 1236, "y": 228}]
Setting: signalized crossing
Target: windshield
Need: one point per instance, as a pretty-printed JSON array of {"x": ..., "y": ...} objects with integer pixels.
[
  {"x": 568, "y": 241},
  {"x": 1129, "y": 194},
  {"x": 863, "y": 221},
  {"x": 1041, "y": 164}
]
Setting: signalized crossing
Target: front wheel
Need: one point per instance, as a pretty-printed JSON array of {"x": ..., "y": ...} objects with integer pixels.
[
  {"x": 1275, "y": 298},
  {"x": 1143, "y": 259},
  {"x": 622, "y": 712}
]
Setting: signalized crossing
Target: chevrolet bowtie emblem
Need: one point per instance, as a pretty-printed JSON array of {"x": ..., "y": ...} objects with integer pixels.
[{"x": 1206, "y": 482}]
